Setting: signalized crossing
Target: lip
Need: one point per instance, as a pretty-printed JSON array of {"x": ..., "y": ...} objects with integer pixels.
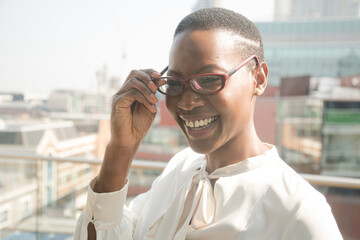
[
  {"x": 199, "y": 132},
  {"x": 193, "y": 117}
]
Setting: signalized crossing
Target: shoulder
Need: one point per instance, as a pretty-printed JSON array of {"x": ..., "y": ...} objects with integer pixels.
[
  {"x": 286, "y": 187},
  {"x": 308, "y": 213},
  {"x": 313, "y": 219}
]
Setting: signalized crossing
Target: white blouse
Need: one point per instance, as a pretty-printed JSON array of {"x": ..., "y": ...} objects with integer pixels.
[{"x": 258, "y": 198}]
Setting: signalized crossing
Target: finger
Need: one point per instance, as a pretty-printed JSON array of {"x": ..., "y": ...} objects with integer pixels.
[
  {"x": 146, "y": 76},
  {"x": 125, "y": 100},
  {"x": 152, "y": 73},
  {"x": 160, "y": 82},
  {"x": 135, "y": 83}
]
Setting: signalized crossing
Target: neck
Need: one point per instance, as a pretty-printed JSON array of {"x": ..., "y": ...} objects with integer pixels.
[{"x": 236, "y": 150}]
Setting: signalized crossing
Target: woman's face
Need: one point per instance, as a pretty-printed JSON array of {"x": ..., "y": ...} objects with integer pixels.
[{"x": 219, "y": 121}]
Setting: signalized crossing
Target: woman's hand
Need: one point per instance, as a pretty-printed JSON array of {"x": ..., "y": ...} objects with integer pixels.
[
  {"x": 133, "y": 108},
  {"x": 133, "y": 111}
]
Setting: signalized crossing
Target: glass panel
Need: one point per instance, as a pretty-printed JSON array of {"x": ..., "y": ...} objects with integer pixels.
[
  {"x": 26, "y": 213},
  {"x": 300, "y": 133},
  {"x": 37, "y": 202}
]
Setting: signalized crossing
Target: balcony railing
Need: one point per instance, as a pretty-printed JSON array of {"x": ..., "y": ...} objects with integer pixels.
[{"x": 42, "y": 196}]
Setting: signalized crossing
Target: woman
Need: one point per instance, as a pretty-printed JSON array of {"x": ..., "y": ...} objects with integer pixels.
[{"x": 228, "y": 184}]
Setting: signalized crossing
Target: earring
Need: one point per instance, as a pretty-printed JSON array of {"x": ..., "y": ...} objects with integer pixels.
[{"x": 258, "y": 92}]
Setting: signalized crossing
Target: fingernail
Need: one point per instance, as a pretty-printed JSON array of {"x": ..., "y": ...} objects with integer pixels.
[
  {"x": 153, "y": 98},
  {"x": 152, "y": 86},
  {"x": 153, "y": 108},
  {"x": 155, "y": 75}
]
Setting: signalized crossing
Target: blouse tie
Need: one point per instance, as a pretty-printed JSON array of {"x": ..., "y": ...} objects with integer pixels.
[
  {"x": 201, "y": 213},
  {"x": 202, "y": 210},
  {"x": 204, "y": 201}
]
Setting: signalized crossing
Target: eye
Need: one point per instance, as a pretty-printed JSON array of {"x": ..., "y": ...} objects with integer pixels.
[
  {"x": 208, "y": 83},
  {"x": 170, "y": 86},
  {"x": 173, "y": 82}
]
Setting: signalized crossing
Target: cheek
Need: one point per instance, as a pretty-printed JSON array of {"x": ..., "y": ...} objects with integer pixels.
[
  {"x": 234, "y": 104},
  {"x": 242, "y": 83},
  {"x": 171, "y": 106}
]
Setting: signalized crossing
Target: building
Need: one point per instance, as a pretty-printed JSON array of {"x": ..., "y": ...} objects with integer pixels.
[
  {"x": 11, "y": 97},
  {"x": 318, "y": 38},
  {"x": 163, "y": 140},
  {"x": 317, "y": 48},
  {"x": 319, "y": 132},
  {"x": 19, "y": 105},
  {"x": 206, "y": 4},
  {"x": 314, "y": 9},
  {"x": 55, "y": 188}
]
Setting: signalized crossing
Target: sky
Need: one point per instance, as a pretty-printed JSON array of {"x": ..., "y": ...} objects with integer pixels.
[{"x": 47, "y": 45}]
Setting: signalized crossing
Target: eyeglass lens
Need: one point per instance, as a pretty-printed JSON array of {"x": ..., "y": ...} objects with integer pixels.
[{"x": 206, "y": 84}]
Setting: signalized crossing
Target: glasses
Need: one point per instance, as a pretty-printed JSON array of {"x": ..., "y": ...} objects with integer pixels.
[{"x": 208, "y": 83}]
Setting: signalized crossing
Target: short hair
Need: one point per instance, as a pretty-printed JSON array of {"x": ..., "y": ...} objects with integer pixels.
[{"x": 225, "y": 19}]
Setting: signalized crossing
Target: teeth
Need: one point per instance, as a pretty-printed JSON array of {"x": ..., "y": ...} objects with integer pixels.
[
  {"x": 196, "y": 123},
  {"x": 199, "y": 123}
]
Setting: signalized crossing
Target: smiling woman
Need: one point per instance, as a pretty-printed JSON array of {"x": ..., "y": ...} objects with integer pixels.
[{"x": 228, "y": 184}]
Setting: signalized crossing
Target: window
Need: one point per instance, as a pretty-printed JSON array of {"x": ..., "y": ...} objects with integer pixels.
[
  {"x": 4, "y": 216},
  {"x": 25, "y": 207}
]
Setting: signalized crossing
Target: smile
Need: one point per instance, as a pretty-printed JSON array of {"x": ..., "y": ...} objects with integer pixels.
[{"x": 200, "y": 124}]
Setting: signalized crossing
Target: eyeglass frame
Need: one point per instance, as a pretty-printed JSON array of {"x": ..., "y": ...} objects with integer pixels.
[{"x": 223, "y": 80}]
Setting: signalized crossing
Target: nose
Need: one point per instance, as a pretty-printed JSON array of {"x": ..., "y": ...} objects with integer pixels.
[{"x": 189, "y": 99}]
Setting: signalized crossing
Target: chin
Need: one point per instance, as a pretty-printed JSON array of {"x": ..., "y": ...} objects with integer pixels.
[{"x": 201, "y": 147}]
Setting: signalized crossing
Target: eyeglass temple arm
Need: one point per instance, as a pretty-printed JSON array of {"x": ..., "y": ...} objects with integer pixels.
[
  {"x": 161, "y": 73},
  {"x": 164, "y": 71},
  {"x": 231, "y": 72}
]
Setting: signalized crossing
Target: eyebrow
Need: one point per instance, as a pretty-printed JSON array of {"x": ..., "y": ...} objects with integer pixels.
[{"x": 200, "y": 70}]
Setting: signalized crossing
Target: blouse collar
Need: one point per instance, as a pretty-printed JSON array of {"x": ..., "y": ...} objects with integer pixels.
[{"x": 242, "y": 166}]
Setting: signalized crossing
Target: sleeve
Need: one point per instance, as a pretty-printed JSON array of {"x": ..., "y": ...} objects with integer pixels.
[
  {"x": 109, "y": 214},
  {"x": 314, "y": 220}
]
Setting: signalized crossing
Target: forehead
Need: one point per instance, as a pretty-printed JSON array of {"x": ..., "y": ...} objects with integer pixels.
[
  {"x": 203, "y": 42},
  {"x": 200, "y": 47}
]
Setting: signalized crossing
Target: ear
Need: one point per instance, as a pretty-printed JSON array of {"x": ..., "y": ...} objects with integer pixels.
[{"x": 260, "y": 78}]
